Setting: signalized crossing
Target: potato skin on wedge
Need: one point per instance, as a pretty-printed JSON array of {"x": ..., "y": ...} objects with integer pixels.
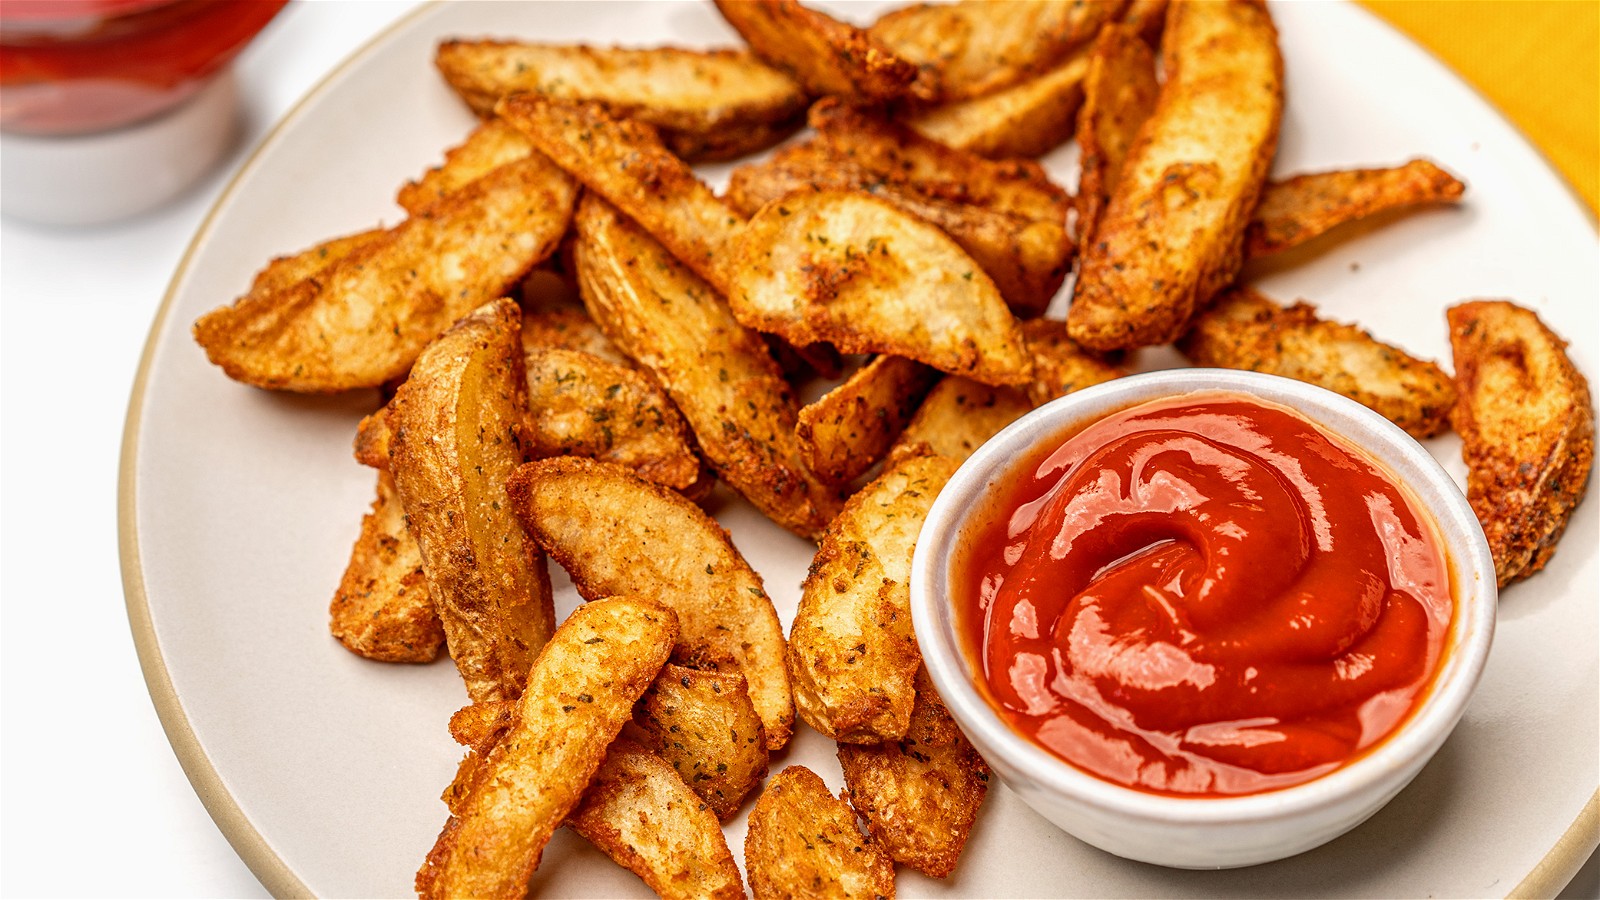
[
  {"x": 825, "y": 55},
  {"x": 847, "y": 430},
  {"x": 704, "y": 725},
  {"x": 803, "y": 842},
  {"x": 1119, "y": 94},
  {"x": 1526, "y": 419},
  {"x": 382, "y": 609},
  {"x": 614, "y": 532},
  {"x": 455, "y": 427},
  {"x": 1028, "y": 119},
  {"x": 1295, "y": 210}
]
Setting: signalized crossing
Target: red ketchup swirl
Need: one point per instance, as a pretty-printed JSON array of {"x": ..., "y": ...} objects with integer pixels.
[{"x": 1205, "y": 596}]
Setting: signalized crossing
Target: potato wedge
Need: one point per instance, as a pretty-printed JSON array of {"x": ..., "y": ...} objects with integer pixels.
[
  {"x": 456, "y": 424},
  {"x": 363, "y": 322},
  {"x": 372, "y": 440},
  {"x": 1173, "y": 232},
  {"x": 705, "y": 726},
  {"x": 707, "y": 104},
  {"x": 643, "y": 816},
  {"x": 578, "y": 696},
  {"x": 803, "y": 842},
  {"x": 920, "y": 795},
  {"x": 490, "y": 146},
  {"x": 1245, "y": 330},
  {"x": 1028, "y": 119},
  {"x": 852, "y": 654},
  {"x": 718, "y": 373},
  {"x": 287, "y": 272},
  {"x": 976, "y": 47},
  {"x": 957, "y": 416},
  {"x": 1119, "y": 94},
  {"x": 1060, "y": 366},
  {"x": 382, "y": 609},
  {"x": 851, "y": 427},
  {"x": 1148, "y": 17},
  {"x": 1526, "y": 420},
  {"x": 853, "y": 270},
  {"x": 613, "y": 531},
  {"x": 1298, "y": 209},
  {"x": 825, "y": 55},
  {"x": 567, "y": 326}
]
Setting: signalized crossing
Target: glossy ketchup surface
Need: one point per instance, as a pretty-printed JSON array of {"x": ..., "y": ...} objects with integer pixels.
[{"x": 1207, "y": 595}]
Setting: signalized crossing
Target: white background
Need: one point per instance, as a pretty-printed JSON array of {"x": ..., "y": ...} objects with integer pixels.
[{"x": 92, "y": 800}]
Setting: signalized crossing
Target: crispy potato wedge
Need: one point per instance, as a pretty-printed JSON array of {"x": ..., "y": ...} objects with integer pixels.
[
  {"x": 490, "y": 146},
  {"x": 372, "y": 440},
  {"x": 976, "y": 47},
  {"x": 1298, "y": 209},
  {"x": 479, "y": 726},
  {"x": 567, "y": 326},
  {"x": 456, "y": 424},
  {"x": 611, "y": 531},
  {"x": 643, "y": 816},
  {"x": 852, "y": 654},
  {"x": 579, "y": 694},
  {"x": 287, "y": 272},
  {"x": 854, "y": 270},
  {"x": 803, "y": 842},
  {"x": 851, "y": 427},
  {"x": 1526, "y": 420},
  {"x": 958, "y": 415},
  {"x": 704, "y": 725},
  {"x": 1119, "y": 94},
  {"x": 382, "y": 609},
  {"x": 1028, "y": 119},
  {"x": 707, "y": 104},
  {"x": 1245, "y": 330},
  {"x": 1173, "y": 232},
  {"x": 718, "y": 373},
  {"x": 825, "y": 55},
  {"x": 363, "y": 321},
  {"x": 920, "y": 795},
  {"x": 1060, "y": 366}
]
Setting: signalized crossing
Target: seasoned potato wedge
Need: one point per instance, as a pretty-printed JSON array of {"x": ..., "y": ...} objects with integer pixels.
[
  {"x": 803, "y": 842},
  {"x": 1119, "y": 94},
  {"x": 851, "y": 427},
  {"x": 1526, "y": 420},
  {"x": 920, "y": 794},
  {"x": 1060, "y": 366},
  {"x": 1028, "y": 119},
  {"x": 707, "y": 104},
  {"x": 852, "y": 654},
  {"x": 1173, "y": 232},
  {"x": 1245, "y": 330},
  {"x": 613, "y": 531},
  {"x": 578, "y": 696},
  {"x": 372, "y": 440},
  {"x": 363, "y": 321},
  {"x": 382, "y": 609},
  {"x": 490, "y": 146},
  {"x": 825, "y": 55},
  {"x": 704, "y": 725},
  {"x": 643, "y": 816},
  {"x": 976, "y": 47},
  {"x": 1298, "y": 209},
  {"x": 287, "y": 272},
  {"x": 958, "y": 415},
  {"x": 455, "y": 425},
  {"x": 854, "y": 270},
  {"x": 718, "y": 373},
  {"x": 567, "y": 326}
]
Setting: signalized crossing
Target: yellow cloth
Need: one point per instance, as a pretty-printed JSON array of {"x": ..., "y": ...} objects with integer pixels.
[{"x": 1537, "y": 61}]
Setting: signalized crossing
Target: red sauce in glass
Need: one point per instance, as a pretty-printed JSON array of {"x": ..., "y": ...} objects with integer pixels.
[{"x": 1204, "y": 596}]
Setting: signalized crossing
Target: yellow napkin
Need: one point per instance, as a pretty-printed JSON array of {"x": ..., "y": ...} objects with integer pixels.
[{"x": 1538, "y": 61}]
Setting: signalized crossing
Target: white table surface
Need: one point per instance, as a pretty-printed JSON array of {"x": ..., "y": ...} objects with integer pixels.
[{"x": 92, "y": 800}]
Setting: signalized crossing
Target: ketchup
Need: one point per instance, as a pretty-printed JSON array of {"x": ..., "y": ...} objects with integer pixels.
[{"x": 1207, "y": 595}]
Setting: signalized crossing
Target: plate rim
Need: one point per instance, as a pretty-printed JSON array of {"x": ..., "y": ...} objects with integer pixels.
[{"x": 1550, "y": 874}]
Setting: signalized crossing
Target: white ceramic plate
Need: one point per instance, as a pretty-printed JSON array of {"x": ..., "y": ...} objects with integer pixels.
[{"x": 239, "y": 506}]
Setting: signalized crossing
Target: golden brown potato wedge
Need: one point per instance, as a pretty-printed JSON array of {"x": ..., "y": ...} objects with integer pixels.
[
  {"x": 1298, "y": 209},
  {"x": 567, "y": 326},
  {"x": 851, "y": 427},
  {"x": 1526, "y": 420},
  {"x": 718, "y": 373},
  {"x": 852, "y": 655},
  {"x": 920, "y": 795},
  {"x": 854, "y": 270},
  {"x": 287, "y": 272},
  {"x": 1060, "y": 366},
  {"x": 1028, "y": 119},
  {"x": 704, "y": 725},
  {"x": 643, "y": 816},
  {"x": 1119, "y": 94},
  {"x": 372, "y": 440},
  {"x": 825, "y": 55},
  {"x": 579, "y": 694},
  {"x": 382, "y": 609},
  {"x": 490, "y": 146},
  {"x": 363, "y": 321},
  {"x": 976, "y": 47},
  {"x": 958, "y": 415},
  {"x": 615, "y": 532},
  {"x": 455, "y": 425},
  {"x": 1173, "y": 232},
  {"x": 1245, "y": 330},
  {"x": 707, "y": 104},
  {"x": 803, "y": 842}
]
